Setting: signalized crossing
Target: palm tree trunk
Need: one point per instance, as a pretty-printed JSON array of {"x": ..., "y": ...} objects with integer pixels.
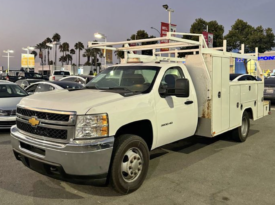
[
  {"x": 95, "y": 57},
  {"x": 78, "y": 57},
  {"x": 55, "y": 58},
  {"x": 48, "y": 58}
]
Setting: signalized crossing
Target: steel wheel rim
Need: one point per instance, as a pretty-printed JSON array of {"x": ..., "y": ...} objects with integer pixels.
[
  {"x": 244, "y": 127},
  {"x": 131, "y": 164}
]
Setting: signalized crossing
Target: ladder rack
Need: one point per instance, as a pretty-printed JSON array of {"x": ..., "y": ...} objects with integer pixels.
[{"x": 174, "y": 43}]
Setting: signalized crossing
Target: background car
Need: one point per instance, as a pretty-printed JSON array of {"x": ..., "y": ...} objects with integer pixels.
[
  {"x": 51, "y": 86},
  {"x": 242, "y": 77},
  {"x": 27, "y": 82},
  {"x": 13, "y": 76},
  {"x": 78, "y": 79},
  {"x": 269, "y": 89},
  {"x": 10, "y": 96},
  {"x": 58, "y": 74}
]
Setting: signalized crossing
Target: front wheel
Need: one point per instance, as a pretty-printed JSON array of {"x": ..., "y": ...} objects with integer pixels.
[
  {"x": 240, "y": 134},
  {"x": 130, "y": 163}
]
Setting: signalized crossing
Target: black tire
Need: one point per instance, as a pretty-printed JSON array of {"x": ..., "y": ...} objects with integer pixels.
[
  {"x": 125, "y": 149},
  {"x": 240, "y": 134}
]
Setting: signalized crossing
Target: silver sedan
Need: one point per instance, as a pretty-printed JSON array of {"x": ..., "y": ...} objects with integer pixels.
[{"x": 10, "y": 96}]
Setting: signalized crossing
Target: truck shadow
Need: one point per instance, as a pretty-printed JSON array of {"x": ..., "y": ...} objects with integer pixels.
[
  {"x": 184, "y": 153},
  {"x": 167, "y": 159}
]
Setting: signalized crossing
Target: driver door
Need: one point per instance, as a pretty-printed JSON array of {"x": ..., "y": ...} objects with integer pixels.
[{"x": 176, "y": 116}]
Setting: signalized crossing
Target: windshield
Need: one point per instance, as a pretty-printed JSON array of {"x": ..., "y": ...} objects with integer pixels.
[
  {"x": 61, "y": 73},
  {"x": 7, "y": 91},
  {"x": 130, "y": 78},
  {"x": 33, "y": 75}
]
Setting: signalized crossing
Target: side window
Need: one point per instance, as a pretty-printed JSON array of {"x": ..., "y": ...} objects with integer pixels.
[
  {"x": 252, "y": 78},
  {"x": 170, "y": 77},
  {"x": 244, "y": 78},
  {"x": 44, "y": 88},
  {"x": 31, "y": 89},
  {"x": 71, "y": 79}
]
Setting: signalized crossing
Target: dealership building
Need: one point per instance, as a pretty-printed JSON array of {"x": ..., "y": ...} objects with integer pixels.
[{"x": 267, "y": 61}]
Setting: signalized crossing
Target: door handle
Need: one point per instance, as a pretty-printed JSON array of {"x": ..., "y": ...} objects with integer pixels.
[
  {"x": 219, "y": 94},
  {"x": 189, "y": 102}
]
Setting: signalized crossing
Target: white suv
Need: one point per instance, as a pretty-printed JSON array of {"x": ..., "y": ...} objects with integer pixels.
[{"x": 58, "y": 74}]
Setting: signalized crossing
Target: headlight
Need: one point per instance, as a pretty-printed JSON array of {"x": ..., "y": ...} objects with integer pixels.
[
  {"x": 91, "y": 126},
  {"x": 3, "y": 113}
]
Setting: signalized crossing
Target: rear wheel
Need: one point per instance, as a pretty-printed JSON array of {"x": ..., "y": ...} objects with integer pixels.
[
  {"x": 130, "y": 163},
  {"x": 240, "y": 134}
]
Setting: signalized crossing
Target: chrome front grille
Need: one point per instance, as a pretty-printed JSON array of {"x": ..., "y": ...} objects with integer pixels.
[
  {"x": 43, "y": 115},
  {"x": 42, "y": 131},
  {"x": 52, "y": 125}
]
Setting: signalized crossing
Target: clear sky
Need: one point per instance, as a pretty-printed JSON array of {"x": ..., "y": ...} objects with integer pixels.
[{"x": 29, "y": 22}]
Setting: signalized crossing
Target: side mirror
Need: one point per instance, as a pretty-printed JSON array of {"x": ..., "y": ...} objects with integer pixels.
[{"x": 181, "y": 88}]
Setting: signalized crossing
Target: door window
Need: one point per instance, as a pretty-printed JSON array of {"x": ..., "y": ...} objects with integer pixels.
[
  {"x": 32, "y": 88},
  {"x": 170, "y": 77},
  {"x": 44, "y": 88}
]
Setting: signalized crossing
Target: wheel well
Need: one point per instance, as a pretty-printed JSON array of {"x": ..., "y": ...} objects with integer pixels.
[
  {"x": 141, "y": 128},
  {"x": 250, "y": 113}
]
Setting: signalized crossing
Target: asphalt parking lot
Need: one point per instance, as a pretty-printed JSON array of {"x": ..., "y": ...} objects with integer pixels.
[{"x": 193, "y": 171}]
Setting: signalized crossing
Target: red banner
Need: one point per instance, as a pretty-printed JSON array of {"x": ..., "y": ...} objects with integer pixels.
[
  {"x": 208, "y": 38},
  {"x": 163, "y": 32}
]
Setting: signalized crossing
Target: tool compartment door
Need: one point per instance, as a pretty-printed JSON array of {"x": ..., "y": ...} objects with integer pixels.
[{"x": 220, "y": 94}]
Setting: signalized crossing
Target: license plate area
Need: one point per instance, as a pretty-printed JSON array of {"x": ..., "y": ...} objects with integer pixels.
[
  {"x": 270, "y": 91},
  {"x": 32, "y": 148}
]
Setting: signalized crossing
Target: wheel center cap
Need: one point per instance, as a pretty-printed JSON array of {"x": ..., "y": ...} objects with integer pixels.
[{"x": 135, "y": 165}]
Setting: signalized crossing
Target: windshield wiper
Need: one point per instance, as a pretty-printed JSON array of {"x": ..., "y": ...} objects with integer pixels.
[{"x": 120, "y": 88}]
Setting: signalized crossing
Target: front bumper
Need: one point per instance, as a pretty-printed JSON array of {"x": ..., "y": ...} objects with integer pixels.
[
  {"x": 7, "y": 121},
  {"x": 73, "y": 161}
]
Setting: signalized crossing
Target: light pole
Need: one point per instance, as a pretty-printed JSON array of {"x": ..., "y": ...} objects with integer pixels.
[
  {"x": 28, "y": 52},
  {"x": 155, "y": 29},
  {"x": 8, "y": 52},
  {"x": 166, "y": 7},
  {"x": 102, "y": 36},
  {"x": 51, "y": 45}
]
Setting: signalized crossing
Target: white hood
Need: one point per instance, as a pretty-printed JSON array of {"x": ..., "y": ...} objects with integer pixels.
[
  {"x": 80, "y": 101},
  {"x": 9, "y": 103}
]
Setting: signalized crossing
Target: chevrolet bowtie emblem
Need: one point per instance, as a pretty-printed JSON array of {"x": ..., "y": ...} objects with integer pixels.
[{"x": 34, "y": 122}]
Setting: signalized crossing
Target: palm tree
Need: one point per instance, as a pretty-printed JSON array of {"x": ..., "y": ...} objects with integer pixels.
[
  {"x": 92, "y": 53},
  {"x": 79, "y": 46},
  {"x": 69, "y": 59},
  {"x": 34, "y": 53},
  {"x": 72, "y": 52},
  {"x": 40, "y": 47},
  {"x": 62, "y": 59},
  {"x": 56, "y": 37},
  {"x": 61, "y": 50},
  {"x": 48, "y": 40}
]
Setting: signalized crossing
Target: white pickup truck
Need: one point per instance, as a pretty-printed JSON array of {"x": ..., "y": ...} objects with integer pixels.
[
  {"x": 58, "y": 74},
  {"x": 105, "y": 133}
]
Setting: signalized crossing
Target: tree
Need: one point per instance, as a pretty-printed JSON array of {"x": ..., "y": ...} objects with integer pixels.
[
  {"x": 72, "y": 52},
  {"x": 92, "y": 53},
  {"x": 56, "y": 37},
  {"x": 48, "y": 40},
  {"x": 243, "y": 33},
  {"x": 64, "y": 48},
  {"x": 69, "y": 58},
  {"x": 140, "y": 34},
  {"x": 34, "y": 53},
  {"x": 40, "y": 47},
  {"x": 62, "y": 59},
  {"x": 198, "y": 27},
  {"x": 79, "y": 46}
]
